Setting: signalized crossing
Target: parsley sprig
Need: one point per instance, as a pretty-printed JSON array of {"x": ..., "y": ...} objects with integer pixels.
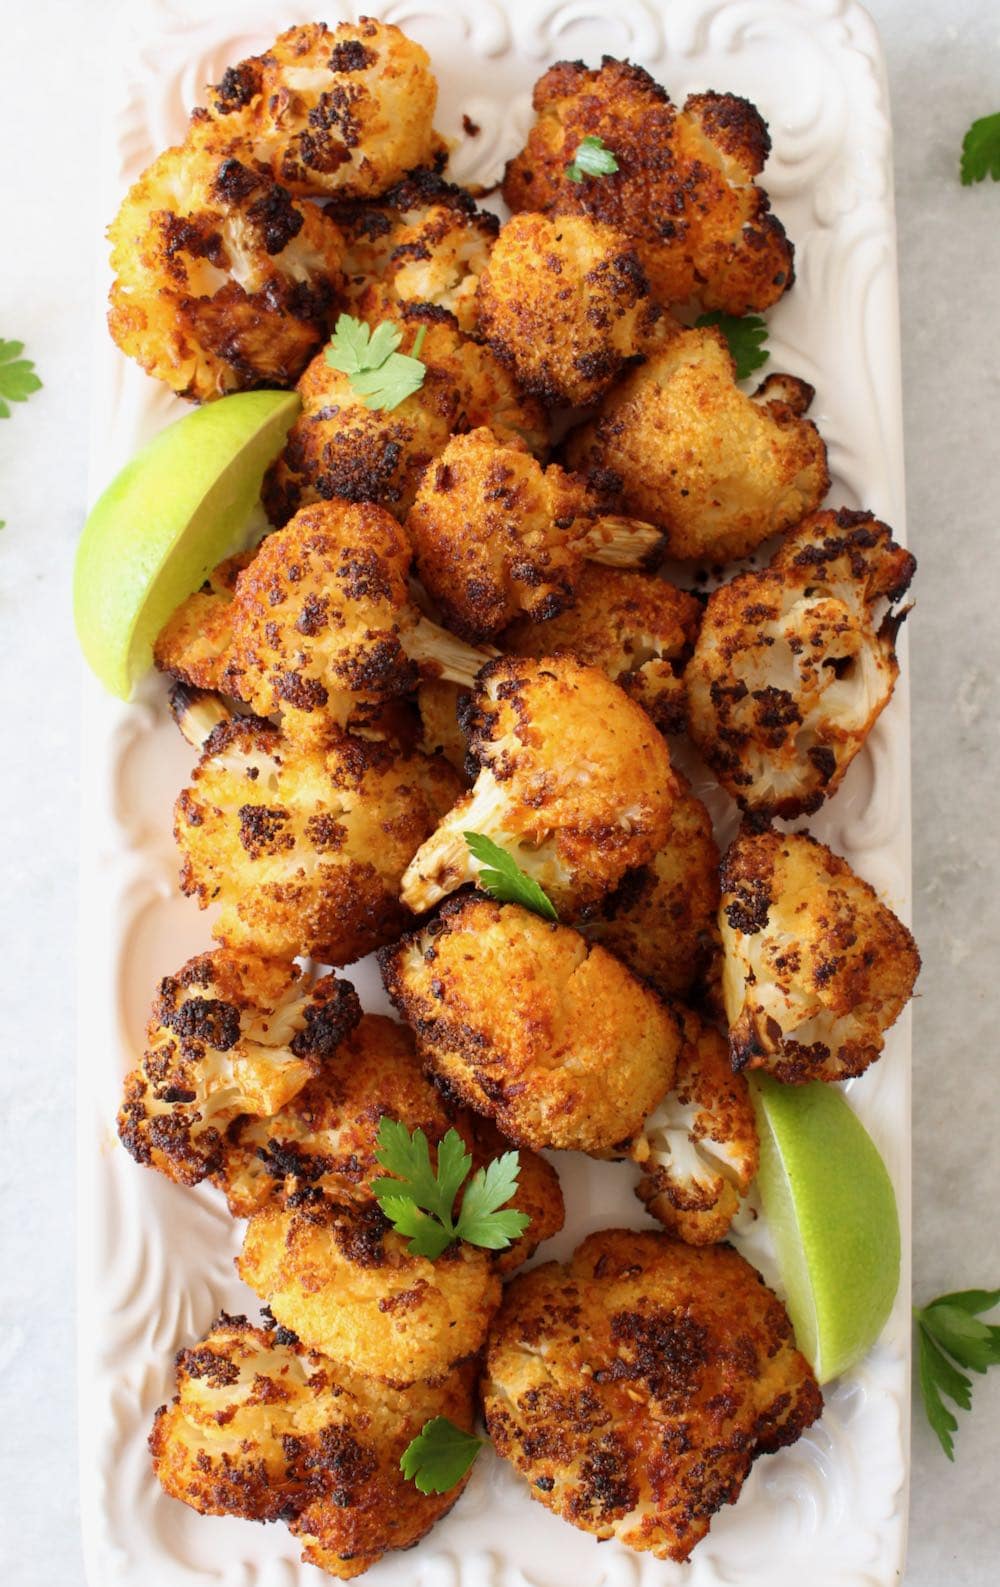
[
  {"x": 420, "y": 1200},
  {"x": 439, "y": 1456},
  {"x": 17, "y": 376},
  {"x": 981, "y": 151},
  {"x": 504, "y": 880},
  {"x": 746, "y": 335},
  {"x": 592, "y": 158},
  {"x": 948, "y": 1331},
  {"x": 369, "y": 359}
]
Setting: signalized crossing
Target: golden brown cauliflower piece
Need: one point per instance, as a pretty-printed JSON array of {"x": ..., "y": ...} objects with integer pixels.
[
  {"x": 684, "y": 190},
  {"x": 565, "y": 303},
  {"x": 193, "y": 645},
  {"x": 698, "y": 1149},
  {"x": 303, "y": 847},
  {"x": 440, "y": 704},
  {"x": 661, "y": 918},
  {"x": 794, "y": 665},
  {"x": 526, "y": 1022},
  {"x": 263, "y": 1429},
  {"x": 231, "y": 1033},
  {"x": 223, "y": 282},
  {"x": 637, "y": 628},
  {"x": 574, "y": 782},
  {"x": 338, "y": 446},
  {"x": 346, "y": 112},
  {"x": 717, "y": 470},
  {"x": 816, "y": 967},
  {"x": 345, "y": 1283},
  {"x": 634, "y": 1387}
]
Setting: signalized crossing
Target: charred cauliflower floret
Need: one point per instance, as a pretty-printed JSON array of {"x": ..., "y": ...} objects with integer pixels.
[
  {"x": 223, "y": 281},
  {"x": 304, "y": 848},
  {"x": 345, "y": 1283},
  {"x": 661, "y": 918},
  {"x": 574, "y": 782},
  {"x": 717, "y": 470},
  {"x": 338, "y": 446},
  {"x": 193, "y": 645},
  {"x": 263, "y": 1429},
  {"x": 634, "y": 1387},
  {"x": 699, "y": 1150},
  {"x": 795, "y": 663},
  {"x": 566, "y": 304},
  {"x": 684, "y": 189},
  {"x": 345, "y": 112},
  {"x": 229, "y": 1034},
  {"x": 526, "y": 1022},
  {"x": 637, "y": 628},
  {"x": 816, "y": 967}
]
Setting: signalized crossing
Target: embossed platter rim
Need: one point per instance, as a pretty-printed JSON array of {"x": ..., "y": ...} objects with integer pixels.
[{"x": 154, "y": 1260}]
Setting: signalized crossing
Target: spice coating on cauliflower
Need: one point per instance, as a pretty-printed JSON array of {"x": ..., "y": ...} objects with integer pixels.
[
  {"x": 440, "y": 705},
  {"x": 717, "y": 470},
  {"x": 790, "y": 672},
  {"x": 566, "y": 304},
  {"x": 816, "y": 967},
  {"x": 575, "y": 783},
  {"x": 303, "y": 847},
  {"x": 193, "y": 644},
  {"x": 526, "y": 1022},
  {"x": 684, "y": 189},
  {"x": 634, "y": 1387},
  {"x": 231, "y": 1033}
]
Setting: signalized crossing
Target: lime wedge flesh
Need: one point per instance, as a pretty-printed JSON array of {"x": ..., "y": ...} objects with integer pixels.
[
  {"x": 173, "y": 513},
  {"x": 831, "y": 1209}
]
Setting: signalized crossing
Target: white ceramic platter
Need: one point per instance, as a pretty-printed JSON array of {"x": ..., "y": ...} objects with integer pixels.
[{"x": 156, "y": 1260}]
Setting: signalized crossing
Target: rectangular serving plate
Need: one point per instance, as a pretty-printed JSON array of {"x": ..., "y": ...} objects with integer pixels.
[{"x": 155, "y": 1260}]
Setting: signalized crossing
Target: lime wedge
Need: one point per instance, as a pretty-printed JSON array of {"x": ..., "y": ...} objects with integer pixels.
[
  {"x": 831, "y": 1210},
  {"x": 176, "y": 510}
]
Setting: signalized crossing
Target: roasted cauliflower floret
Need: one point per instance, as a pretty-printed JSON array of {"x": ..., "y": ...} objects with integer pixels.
[
  {"x": 440, "y": 704},
  {"x": 661, "y": 918},
  {"x": 229, "y": 1034},
  {"x": 223, "y": 281},
  {"x": 304, "y": 848},
  {"x": 338, "y": 446},
  {"x": 795, "y": 664},
  {"x": 193, "y": 645},
  {"x": 345, "y": 1283},
  {"x": 526, "y": 1022},
  {"x": 344, "y": 112},
  {"x": 699, "y": 1150},
  {"x": 566, "y": 304},
  {"x": 816, "y": 967},
  {"x": 574, "y": 782},
  {"x": 684, "y": 189},
  {"x": 637, "y": 628},
  {"x": 263, "y": 1429},
  {"x": 634, "y": 1387},
  {"x": 717, "y": 470}
]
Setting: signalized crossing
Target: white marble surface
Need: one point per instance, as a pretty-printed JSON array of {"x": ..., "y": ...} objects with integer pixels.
[{"x": 944, "y": 61}]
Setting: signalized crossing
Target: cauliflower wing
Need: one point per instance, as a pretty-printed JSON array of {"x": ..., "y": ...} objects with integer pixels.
[
  {"x": 526, "y": 1022},
  {"x": 794, "y": 666},
  {"x": 575, "y": 782},
  {"x": 231, "y": 1033},
  {"x": 816, "y": 967},
  {"x": 634, "y": 1387},
  {"x": 717, "y": 470},
  {"x": 193, "y": 645},
  {"x": 684, "y": 189}
]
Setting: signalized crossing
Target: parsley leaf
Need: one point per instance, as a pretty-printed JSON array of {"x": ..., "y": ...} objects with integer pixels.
[
  {"x": 746, "y": 336},
  {"x": 439, "y": 1456},
  {"x": 17, "y": 376},
  {"x": 419, "y": 1200},
  {"x": 503, "y": 878},
  {"x": 592, "y": 158},
  {"x": 981, "y": 151},
  {"x": 949, "y": 1330},
  {"x": 377, "y": 372}
]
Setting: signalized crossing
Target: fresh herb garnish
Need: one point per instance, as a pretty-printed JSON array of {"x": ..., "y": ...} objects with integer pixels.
[
  {"x": 439, "y": 1456},
  {"x": 377, "y": 372},
  {"x": 17, "y": 376},
  {"x": 420, "y": 1201},
  {"x": 746, "y": 335},
  {"x": 949, "y": 1330},
  {"x": 592, "y": 158},
  {"x": 504, "y": 879},
  {"x": 981, "y": 151}
]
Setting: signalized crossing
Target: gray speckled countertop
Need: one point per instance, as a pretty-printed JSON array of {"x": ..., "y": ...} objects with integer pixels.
[{"x": 944, "y": 63}]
